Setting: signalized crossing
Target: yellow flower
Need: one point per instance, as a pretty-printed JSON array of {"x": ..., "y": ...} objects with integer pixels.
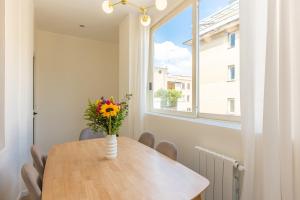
[{"x": 109, "y": 110}]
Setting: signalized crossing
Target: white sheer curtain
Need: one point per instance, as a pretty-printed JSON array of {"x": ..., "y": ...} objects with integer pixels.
[
  {"x": 139, "y": 79},
  {"x": 270, "y": 98}
]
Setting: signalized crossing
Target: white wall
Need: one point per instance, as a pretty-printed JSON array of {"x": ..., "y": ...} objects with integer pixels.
[
  {"x": 69, "y": 71},
  {"x": 217, "y": 136},
  {"x": 18, "y": 94}
]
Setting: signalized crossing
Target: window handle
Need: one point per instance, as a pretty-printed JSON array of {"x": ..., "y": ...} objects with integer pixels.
[{"x": 150, "y": 86}]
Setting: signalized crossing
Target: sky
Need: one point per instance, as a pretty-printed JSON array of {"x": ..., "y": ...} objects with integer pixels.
[
  {"x": 169, "y": 38},
  {"x": 179, "y": 34}
]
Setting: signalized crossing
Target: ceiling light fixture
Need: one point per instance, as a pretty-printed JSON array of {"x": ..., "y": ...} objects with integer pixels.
[
  {"x": 161, "y": 4},
  {"x": 107, "y": 7},
  {"x": 145, "y": 19}
]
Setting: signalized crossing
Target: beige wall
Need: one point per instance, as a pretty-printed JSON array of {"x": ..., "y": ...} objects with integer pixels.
[
  {"x": 69, "y": 71},
  {"x": 18, "y": 94},
  {"x": 187, "y": 133}
]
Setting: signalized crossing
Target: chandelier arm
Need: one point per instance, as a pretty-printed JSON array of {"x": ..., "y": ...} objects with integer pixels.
[
  {"x": 139, "y": 8},
  {"x": 114, "y": 4},
  {"x": 134, "y": 5},
  {"x": 149, "y": 7}
]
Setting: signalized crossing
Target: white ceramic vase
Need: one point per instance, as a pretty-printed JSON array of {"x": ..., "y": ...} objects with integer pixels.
[{"x": 111, "y": 146}]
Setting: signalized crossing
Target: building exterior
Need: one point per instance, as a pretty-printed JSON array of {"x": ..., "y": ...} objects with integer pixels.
[
  {"x": 219, "y": 66},
  {"x": 219, "y": 62},
  {"x": 163, "y": 79}
]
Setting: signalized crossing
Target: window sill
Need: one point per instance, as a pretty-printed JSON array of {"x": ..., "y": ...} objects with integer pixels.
[{"x": 209, "y": 122}]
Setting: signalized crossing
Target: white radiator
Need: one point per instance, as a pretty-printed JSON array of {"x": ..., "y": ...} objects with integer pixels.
[{"x": 223, "y": 173}]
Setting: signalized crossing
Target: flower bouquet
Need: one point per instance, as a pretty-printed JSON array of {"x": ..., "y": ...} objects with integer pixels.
[{"x": 106, "y": 115}]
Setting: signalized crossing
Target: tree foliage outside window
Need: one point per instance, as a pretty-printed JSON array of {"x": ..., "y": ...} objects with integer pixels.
[{"x": 168, "y": 97}]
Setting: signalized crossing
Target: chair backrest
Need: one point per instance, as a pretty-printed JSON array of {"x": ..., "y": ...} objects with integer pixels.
[
  {"x": 32, "y": 181},
  {"x": 39, "y": 161},
  {"x": 168, "y": 149},
  {"x": 87, "y": 134},
  {"x": 147, "y": 139}
]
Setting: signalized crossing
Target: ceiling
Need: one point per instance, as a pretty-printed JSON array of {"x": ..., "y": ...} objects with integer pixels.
[{"x": 65, "y": 16}]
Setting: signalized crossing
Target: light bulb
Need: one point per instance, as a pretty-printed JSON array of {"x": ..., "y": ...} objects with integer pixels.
[
  {"x": 107, "y": 7},
  {"x": 161, "y": 4},
  {"x": 145, "y": 20}
]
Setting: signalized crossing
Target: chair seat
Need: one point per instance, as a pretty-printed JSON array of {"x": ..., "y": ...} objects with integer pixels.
[{"x": 88, "y": 134}]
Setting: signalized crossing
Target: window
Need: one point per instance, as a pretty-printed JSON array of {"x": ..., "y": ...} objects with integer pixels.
[
  {"x": 231, "y": 40},
  {"x": 196, "y": 63},
  {"x": 231, "y": 73},
  {"x": 172, "y": 63},
  {"x": 231, "y": 105}
]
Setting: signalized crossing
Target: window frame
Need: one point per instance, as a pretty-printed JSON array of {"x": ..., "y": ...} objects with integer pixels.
[{"x": 195, "y": 68}]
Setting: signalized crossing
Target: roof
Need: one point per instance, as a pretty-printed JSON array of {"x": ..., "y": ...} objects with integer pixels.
[
  {"x": 222, "y": 17},
  {"x": 218, "y": 19}
]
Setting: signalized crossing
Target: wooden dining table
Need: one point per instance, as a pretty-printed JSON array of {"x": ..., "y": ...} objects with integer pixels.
[{"x": 79, "y": 170}]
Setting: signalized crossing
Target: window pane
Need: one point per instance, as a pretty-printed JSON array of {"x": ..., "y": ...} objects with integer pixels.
[
  {"x": 231, "y": 40},
  {"x": 172, "y": 64},
  {"x": 231, "y": 73},
  {"x": 219, "y": 64}
]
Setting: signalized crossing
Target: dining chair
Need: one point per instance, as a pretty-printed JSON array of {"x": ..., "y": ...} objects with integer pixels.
[
  {"x": 147, "y": 139},
  {"x": 32, "y": 181},
  {"x": 39, "y": 160},
  {"x": 168, "y": 149},
  {"x": 87, "y": 134}
]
